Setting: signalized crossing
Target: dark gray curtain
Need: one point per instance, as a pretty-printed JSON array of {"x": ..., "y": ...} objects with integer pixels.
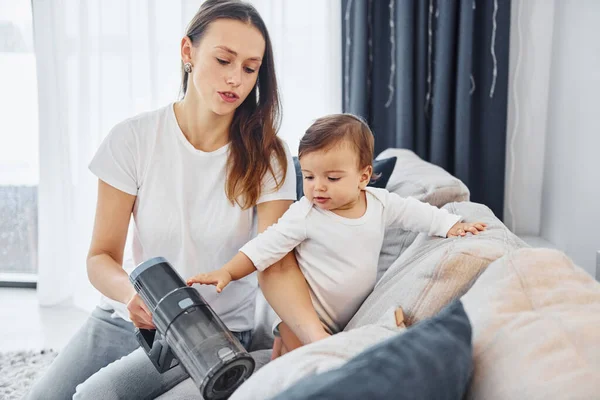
[{"x": 431, "y": 76}]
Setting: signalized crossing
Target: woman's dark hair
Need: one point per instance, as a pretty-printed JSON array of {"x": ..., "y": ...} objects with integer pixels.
[{"x": 254, "y": 145}]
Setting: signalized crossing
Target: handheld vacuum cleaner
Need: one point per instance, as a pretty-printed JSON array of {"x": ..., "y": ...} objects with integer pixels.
[{"x": 188, "y": 332}]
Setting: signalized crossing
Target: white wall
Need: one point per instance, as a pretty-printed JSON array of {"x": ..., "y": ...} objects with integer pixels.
[
  {"x": 553, "y": 134},
  {"x": 571, "y": 185}
]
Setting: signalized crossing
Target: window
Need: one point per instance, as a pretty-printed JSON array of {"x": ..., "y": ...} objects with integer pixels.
[{"x": 19, "y": 173}]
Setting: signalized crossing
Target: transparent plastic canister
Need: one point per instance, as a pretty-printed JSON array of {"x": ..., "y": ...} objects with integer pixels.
[{"x": 213, "y": 357}]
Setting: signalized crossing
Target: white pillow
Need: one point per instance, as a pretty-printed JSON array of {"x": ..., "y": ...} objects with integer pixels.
[
  {"x": 316, "y": 358},
  {"x": 415, "y": 177}
]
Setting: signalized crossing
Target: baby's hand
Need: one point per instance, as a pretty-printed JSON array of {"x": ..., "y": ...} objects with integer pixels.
[
  {"x": 220, "y": 278},
  {"x": 461, "y": 228}
]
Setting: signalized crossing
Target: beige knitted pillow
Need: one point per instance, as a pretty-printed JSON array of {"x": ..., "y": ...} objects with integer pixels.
[{"x": 536, "y": 329}]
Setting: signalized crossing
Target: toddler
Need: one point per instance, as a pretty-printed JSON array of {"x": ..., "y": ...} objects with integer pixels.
[{"x": 337, "y": 228}]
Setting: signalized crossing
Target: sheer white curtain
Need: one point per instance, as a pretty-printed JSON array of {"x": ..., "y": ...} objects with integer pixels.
[
  {"x": 531, "y": 44},
  {"x": 100, "y": 62},
  {"x": 307, "y": 37}
]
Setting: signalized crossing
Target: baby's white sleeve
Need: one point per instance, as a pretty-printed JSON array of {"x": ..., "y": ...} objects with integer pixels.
[
  {"x": 117, "y": 159},
  {"x": 413, "y": 215},
  {"x": 280, "y": 238}
]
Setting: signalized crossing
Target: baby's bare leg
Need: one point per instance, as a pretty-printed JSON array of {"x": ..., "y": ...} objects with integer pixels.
[
  {"x": 289, "y": 339},
  {"x": 283, "y": 350},
  {"x": 277, "y": 345}
]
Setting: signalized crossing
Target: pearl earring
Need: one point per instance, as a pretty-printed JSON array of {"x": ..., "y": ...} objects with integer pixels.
[{"x": 187, "y": 67}]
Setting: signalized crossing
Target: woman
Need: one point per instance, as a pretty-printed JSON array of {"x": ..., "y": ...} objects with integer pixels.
[{"x": 191, "y": 173}]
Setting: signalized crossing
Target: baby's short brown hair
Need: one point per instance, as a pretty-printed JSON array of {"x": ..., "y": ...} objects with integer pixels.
[{"x": 333, "y": 129}]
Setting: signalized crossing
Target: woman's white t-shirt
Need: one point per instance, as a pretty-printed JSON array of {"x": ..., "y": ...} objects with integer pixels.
[{"x": 181, "y": 211}]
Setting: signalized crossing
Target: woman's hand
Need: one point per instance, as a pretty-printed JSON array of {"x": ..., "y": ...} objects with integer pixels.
[
  {"x": 461, "y": 228},
  {"x": 139, "y": 313},
  {"x": 220, "y": 278}
]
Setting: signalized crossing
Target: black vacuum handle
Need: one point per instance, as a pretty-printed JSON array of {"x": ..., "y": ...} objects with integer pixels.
[{"x": 157, "y": 349}]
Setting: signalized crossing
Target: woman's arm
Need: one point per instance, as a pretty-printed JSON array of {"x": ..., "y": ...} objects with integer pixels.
[
  {"x": 105, "y": 257},
  {"x": 284, "y": 285}
]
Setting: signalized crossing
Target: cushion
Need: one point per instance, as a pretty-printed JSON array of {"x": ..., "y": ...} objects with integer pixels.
[
  {"x": 427, "y": 182},
  {"x": 315, "y": 358},
  {"x": 382, "y": 170},
  {"x": 431, "y": 360},
  {"x": 536, "y": 329},
  {"x": 414, "y": 177},
  {"x": 434, "y": 271}
]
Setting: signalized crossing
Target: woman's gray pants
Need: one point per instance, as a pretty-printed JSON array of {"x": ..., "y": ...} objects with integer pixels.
[{"x": 104, "y": 361}]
